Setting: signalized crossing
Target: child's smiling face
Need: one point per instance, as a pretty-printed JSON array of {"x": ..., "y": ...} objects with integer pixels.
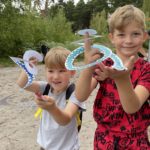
[
  {"x": 129, "y": 40},
  {"x": 59, "y": 78}
]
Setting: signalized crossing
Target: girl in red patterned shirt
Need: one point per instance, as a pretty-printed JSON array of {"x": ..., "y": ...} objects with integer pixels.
[{"x": 121, "y": 109}]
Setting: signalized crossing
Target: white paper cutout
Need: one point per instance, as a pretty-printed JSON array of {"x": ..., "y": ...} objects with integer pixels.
[
  {"x": 90, "y": 32},
  {"x": 24, "y": 64}
]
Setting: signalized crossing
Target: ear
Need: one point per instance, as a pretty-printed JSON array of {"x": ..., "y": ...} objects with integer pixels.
[
  {"x": 110, "y": 36},
  {"x": 145, "y": 36}
]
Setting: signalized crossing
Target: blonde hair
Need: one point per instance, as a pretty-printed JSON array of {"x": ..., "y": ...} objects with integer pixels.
[
  {"x": 124, "y": 16},
  {"x": 56, "y": 57}
]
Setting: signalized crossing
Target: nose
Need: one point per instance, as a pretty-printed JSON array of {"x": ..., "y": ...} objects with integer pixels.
[
  {"x": 56, "y": 75},
  {"x": 128, "y": 39}
]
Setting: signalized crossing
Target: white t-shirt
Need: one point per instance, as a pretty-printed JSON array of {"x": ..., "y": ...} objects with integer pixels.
[{"x": 51, "y": 135}]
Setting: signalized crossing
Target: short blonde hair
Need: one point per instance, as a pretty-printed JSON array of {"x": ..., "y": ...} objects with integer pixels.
[
  {"x": 124, "y": 16},
  {"x": 56, "y": 57}
]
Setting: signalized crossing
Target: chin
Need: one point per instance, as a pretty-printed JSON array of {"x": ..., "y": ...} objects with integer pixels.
[{"x": 129, "y": 53}]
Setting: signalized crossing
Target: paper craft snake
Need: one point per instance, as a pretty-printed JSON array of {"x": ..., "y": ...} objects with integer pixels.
[
  {"x": 26, "y": 66},
  {"x": 103, "y": 49}
]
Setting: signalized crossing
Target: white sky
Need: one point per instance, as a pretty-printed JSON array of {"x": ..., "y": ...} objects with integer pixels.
[
  {"x": 75, "y": 1},
  {"x": 43, "y": 3}
]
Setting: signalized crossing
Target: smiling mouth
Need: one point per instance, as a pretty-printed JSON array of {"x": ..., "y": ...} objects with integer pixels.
[
  {"x": 130, "y": 47},
  {"x": 56, "y": 82}
]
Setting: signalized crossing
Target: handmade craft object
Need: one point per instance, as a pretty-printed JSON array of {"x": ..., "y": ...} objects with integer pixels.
[
  {"x": 29, "y": 68},
  {"x": 80, "y": 42},
  {"x": 84, "y": 31},
  {"x": 107, "y": 53}
]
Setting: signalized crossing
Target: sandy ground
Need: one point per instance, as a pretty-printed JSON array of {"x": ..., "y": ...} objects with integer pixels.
[{"x": 18, "y": 127}]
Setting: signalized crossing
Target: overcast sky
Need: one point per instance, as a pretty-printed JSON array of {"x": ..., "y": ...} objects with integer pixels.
[{"x": 75, "y": 1}]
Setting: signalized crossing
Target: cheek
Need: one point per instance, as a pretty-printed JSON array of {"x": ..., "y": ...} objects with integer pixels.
[
  {"x": 118, "y": 43},
  {"x": 67, "y": 77},
  {"x": 48, "y": 76},
  {"x": 139, "y": 41}
]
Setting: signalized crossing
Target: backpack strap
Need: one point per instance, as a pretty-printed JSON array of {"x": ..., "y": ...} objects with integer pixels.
[
  {"x": 39, "y": 110},
  {"x": 70, "y": 90},
  {"x": 47, "y": 88}
]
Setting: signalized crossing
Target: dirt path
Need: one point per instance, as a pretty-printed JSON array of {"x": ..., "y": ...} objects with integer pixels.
[{"x": 18, "y": 127}]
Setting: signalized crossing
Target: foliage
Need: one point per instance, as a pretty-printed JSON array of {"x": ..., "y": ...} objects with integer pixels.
[
  {"x": 20, "y": 32},
  {"x": 60, "y": 28},
  {"x": 113, "y": 4},
  {"x": 146, "y": 9},
  {"x": 82, "y": 16},
  {"x": 99, "y": 22},
  {"x": 97, "y": 6},
  {"x": 24, "y": 27}
]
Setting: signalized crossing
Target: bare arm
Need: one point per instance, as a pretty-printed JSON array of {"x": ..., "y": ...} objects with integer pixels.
[
  {"x": 86, "y": 83},
  {"x": 131, "y": 99},
  {"x": 22, "y": 80},
  {"x": 62, "y": 117}
]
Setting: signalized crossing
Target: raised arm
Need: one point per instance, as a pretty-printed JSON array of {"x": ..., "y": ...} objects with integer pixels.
[
  {"x": 23, "y": 79},
  {"x": 86, "y": 83}
]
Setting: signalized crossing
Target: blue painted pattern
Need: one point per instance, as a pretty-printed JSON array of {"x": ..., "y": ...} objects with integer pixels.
[{"x": 103, "y": 49}]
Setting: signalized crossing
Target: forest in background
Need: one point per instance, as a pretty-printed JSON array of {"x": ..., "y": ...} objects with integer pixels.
[{"x": 25, "y": 24}]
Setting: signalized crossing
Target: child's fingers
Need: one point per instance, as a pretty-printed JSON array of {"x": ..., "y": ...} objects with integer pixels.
[
  {"x": 38, "y": 101},
  {"x": 87, "y": 42},
  {"x": 130, "y": 63},
  {"x": 45, "y": 97},
  {"x": 38, "y": 95},
  {"x": 101, "y": 73},
  {"x": 46, "y": 102},
  {"x": 101, "y": 68},
  {"x": 33, "y": 61}
]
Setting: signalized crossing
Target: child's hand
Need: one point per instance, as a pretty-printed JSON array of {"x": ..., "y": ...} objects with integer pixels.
[
  {"x": 90, "y": 54},
  {"x": 45, "y": 102},
  {"x": 100, "y": 72},
  {"x": 33, "y": 61},
  {"x": 119, "y": 74}
]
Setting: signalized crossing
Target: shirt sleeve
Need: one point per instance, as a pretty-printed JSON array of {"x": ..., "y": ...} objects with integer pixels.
[
  {"x": 42, "y": 86},
  {"x": 74, "y": 100}
]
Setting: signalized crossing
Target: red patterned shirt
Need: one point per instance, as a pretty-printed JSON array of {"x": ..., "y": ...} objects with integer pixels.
[{"x": 116, "y": 129}]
